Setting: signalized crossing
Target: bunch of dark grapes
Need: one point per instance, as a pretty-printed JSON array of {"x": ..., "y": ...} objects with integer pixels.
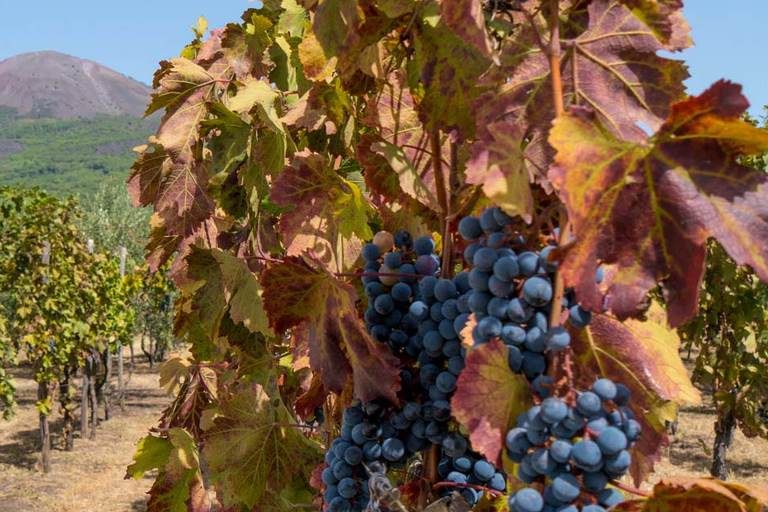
[
  {"x": 373, "y": 437},
  {"x": 390, "y": 297},
  {"x": 575, "y": 451},
  {"x": 462, "y": 466},
  {"x": 512, "y": 293}
]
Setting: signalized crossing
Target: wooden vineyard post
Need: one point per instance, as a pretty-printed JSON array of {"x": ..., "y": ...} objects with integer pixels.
[
  {"x": 120, "y": 382},
  {"x": 42, "y": 387}
]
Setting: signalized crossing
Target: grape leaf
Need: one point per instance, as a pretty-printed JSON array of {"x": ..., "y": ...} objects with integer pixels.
[
  {"x": 695, "y": 494},
  {"x": 253, "y": 455},
  {"x": 222, "y": 283},
  {"x": 196, "y": 393},
  {"x": 184, "y": 88},
  {"x": 448, "y": 68},
  {"x": 322, "y": 308},
  {"x": 316, "y": 65},
  {"x": 467, "y": 20},
  {"x": 329, "y": 214},
  {"x": 244, "y": 47},
  {"x": 498, "y": 165},
  {"x": 487, "y": 378},
  {"x": 179, "y": 484},
  {"x": 617, "y": 72},
  {"x": 643, "y": 355},
  {"x": 650, "y": 207},
  {"x": 665, "y": 19}
]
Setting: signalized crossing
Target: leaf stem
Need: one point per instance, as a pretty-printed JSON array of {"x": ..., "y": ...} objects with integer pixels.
[
  {"x": 629, "y": 488},
  {"x": 554, "y": 57}
]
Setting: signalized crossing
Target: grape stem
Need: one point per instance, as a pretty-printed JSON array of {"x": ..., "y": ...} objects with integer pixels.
[
  {"x": 629, "y": 488},
  {"x": 492, "y": 492}
]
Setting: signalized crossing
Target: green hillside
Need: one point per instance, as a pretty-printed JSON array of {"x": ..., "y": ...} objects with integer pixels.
[{"x": 68, "y": 156}]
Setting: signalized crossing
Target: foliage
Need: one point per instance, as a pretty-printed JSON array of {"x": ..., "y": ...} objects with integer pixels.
[
  {"x": 67, "y": 305},
  {"x": 152, "y": 306},
  {"x": 288, "y": 139},
  {"x": 68, "y": 156},
  {"x": 110, "y": 219}
]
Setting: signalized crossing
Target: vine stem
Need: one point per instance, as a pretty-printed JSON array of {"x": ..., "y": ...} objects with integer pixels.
[
  {"x": 492, "y": 492},
  {"x": 442, "y": 201},
  {"x": 557, "y": 96},
  {"x": 629, "y": 488}
]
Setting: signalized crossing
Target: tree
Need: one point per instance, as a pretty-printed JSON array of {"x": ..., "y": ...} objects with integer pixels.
[{"x": 289, "y": 139}]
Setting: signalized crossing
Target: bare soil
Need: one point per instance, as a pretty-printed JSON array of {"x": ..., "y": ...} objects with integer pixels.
[{"x": 92, "y": 476}]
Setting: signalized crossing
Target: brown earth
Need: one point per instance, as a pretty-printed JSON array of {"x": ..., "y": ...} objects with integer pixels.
[{"x": 91, "y": 477}]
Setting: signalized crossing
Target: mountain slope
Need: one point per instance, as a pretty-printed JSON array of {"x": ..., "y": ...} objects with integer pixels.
[
  {"x": 53, "y": 85},
  {"x": 69, "y": 156}
]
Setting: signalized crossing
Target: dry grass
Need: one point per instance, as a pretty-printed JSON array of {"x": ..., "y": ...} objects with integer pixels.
[{"x": 91, "y": 476}]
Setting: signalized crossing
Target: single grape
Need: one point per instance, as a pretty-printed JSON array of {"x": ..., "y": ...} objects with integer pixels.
[
  {"x": 586, "y": 454},
  {"x": 424, "y": 245},
  {"x": 566, "y": 487},
  {"x": 392, "y": 449},
  {"x": 347, "y": 488},
  {"x": 506, "y": 268},
  {"x": 384, "y": 241},
  {"x": 445, "y": 289},
  {"x": 488, "y": 221},
  {"x": 353, "y": 455},
  {"x": 401, "y": 292},
  {"x": 526, "y": 500},
  {"x": 478, "y": 280},
  {"x": 541, "y": 384},
  {"x": 623, "y": 395},
  {"x": 484, "y": 259},
  {"x": 537, "y": 291},
  {"x": 544, "y": 260},
  {"x": 446, "y": 382},
  {"x": 553, "y": 410},
  {"x": 384, "y": 304},
  {"x": 588, "y": 403},
  {"x": 426, "y": 265},
  {"x": 610, "y": 497},
  {"x": 470, "y": 229},
  {"x": 500, "y": 288},
  {"x": 528, "y": 263},
  {"x": 611, "y": 441},
  {"x": 371, "y": 252},
  {"x": 579, "y": 317},
  {"x": 605, "y": 389},
  {"x": 519, "y": 311},
  {"x": 489, "y": 327},
  {"x": 595, "y": 481},
  {"x": 557, "y": 339},
  {"x": 483, "y": 470},
  {"x": 560, "y": 450},
  {"x": 403, "y": 239}
]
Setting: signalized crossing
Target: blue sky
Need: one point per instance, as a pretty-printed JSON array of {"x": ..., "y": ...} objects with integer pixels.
[{"x": 131, "y": 37}]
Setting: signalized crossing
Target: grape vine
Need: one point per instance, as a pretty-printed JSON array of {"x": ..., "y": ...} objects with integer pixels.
[{"x": 422, "y": 243}]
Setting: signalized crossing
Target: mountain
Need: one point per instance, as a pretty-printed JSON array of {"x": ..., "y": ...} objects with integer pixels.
[{"x": 54, "y": 85}]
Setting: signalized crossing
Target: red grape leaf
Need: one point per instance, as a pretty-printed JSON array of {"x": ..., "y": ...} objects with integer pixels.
[
  {"x": 329, "y": 215},
  {"x": 643, "y": 355},
  {"x": 617, "y": 72},
  {"x": 311, "y": 399},
  {"x": 298, "y": 295},
  {"x": 243, "y": 47},
  {"x": 467, "y": 20},
  {"x": 487, "y": 379},
  {"x": 649, "y": 207},
  {"x": 198, "y": 391},
  {"x": 690, "y": 494},
  {"x": 252, "y": 453}
]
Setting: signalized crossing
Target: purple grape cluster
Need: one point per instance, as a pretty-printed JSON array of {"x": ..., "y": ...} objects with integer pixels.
[
  {"x": 512, "y": 293},
  {"x": 575, "y": 451}
]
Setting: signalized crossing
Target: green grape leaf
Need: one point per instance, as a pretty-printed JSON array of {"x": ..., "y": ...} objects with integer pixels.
[
  {"x": 665, "y": 19},
  {"x": 321, "y": 309},
  {"x": 695, "y": 494},
  {"x": 643, "y": 355},
  {"x": 222, "y": 283},
  {"x": 151, "y": 453},
  {"x": 488, "y": 379},
  {"x": 254, "y": 455},
  {"x": 675, "y": 190},
  {"x": 324, "y": 217},
  {"x": 449, "y": 69}
]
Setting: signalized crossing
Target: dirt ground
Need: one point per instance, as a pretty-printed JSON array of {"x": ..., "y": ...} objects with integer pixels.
[{"x": 91, "y": 477}]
